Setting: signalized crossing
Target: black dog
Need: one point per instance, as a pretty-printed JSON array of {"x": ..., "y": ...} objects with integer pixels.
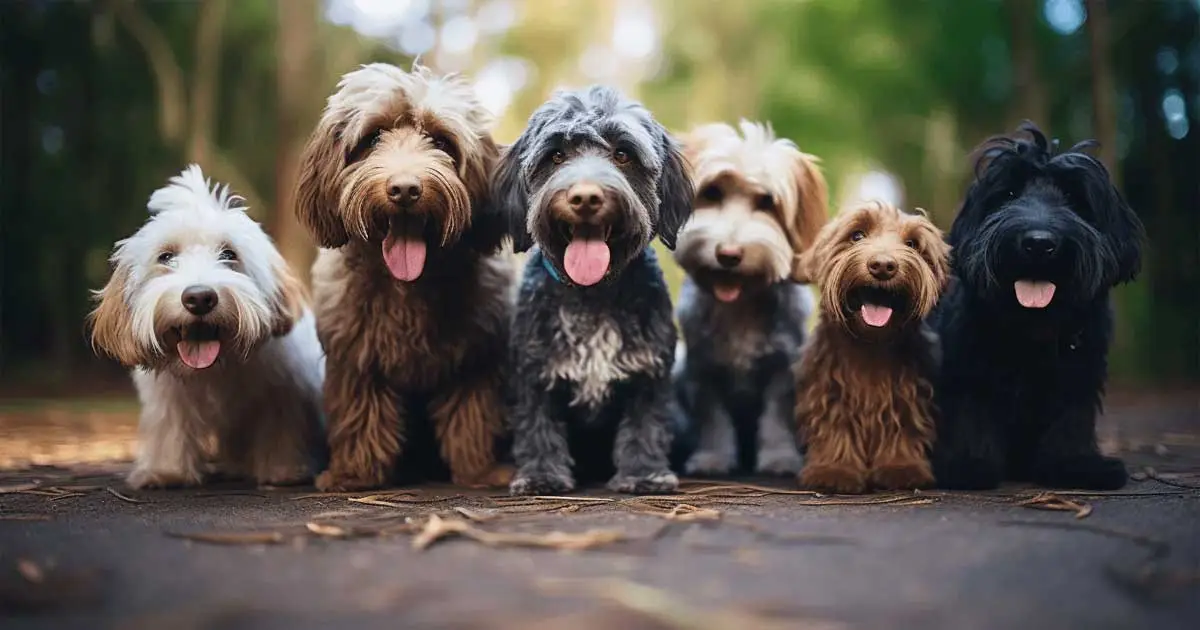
[
  {"x": 1026, "y": 324},
  {"x": 592, "y": 180}
]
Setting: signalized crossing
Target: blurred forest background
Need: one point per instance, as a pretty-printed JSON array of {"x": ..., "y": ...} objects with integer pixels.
[{"x": 101, "y": 101}]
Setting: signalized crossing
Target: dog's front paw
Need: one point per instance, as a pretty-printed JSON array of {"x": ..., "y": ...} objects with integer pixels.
[
  {"x": 541, "y": 482},
  {"x": 709, "y": 464},
  {"x": 902, "y": 476},
  {"x": 498, "y": 476},
  {"x": 1083, "y": 472},
  {"x": 143, "y": 478},
  {"x": 833, "y": 478},
  {"x": 284, "y": 475},
  {"x": 661, "y": 482},
  {"x": 784, "y": 462},
  {"x": 330, "y": 482}
]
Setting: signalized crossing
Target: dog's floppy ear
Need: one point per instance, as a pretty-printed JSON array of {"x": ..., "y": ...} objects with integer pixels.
[
  {"x": 317, "y": 192},
  {"x": 510, "y": 194},
  {"x": 675, "y": 192},
  {"x": 812, "y": 203},
  {"x": 1122, "y": 229},
  {"x": 111, "y": 322},
  {"x": 488, "y": 223},
  {"x": 290, "y": 299},
  {"x": 808, "y": 263}
]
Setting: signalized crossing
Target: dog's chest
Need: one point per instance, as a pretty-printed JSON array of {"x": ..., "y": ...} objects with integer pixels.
[{"x": 590, "y": 353}]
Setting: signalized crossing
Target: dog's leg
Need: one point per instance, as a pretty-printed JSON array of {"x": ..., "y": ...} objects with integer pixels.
[
  {"x": 899, "y": 461},
  {"x": 366, "y": 425},
  {"x": 468, "y": 419},
  {"x": 834, "y": 462},
  {"x": 777, "y": 452},
  {"x": 539, "y": 446},
  {"x": 1067, "y": 455},
  {"x": 716, "y": 453},
  {"x": 643, "y": 442},
  {"x": 282, "y": 452},
  {"x": 169, "y": 448},
  {"x": 969, "y": 452}
]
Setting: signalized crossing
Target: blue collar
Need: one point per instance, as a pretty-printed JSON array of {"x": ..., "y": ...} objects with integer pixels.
[{"x": 549, "y": 266}]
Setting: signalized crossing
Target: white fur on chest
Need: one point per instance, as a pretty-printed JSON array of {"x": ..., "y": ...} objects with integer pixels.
[{"x": 589, "y": 352}]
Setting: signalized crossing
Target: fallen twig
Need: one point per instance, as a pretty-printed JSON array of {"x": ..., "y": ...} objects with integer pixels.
[
  {"x": 1051, "y": 501},
  {"x": 18, "y": 487},
  {"x": 122, "y": 497},
  {"x": 231, "y": 538},
  {"x": 437, "y": 528}
]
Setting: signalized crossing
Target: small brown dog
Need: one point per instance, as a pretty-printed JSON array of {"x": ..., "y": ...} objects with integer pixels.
[
  {"x": 412, "y": 297},
  {"x": 864, "y": 399}
]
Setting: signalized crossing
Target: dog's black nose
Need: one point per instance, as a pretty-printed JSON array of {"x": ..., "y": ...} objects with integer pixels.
[
  {"x": 199, "y": 299},
  {"x": 729, "y": 256},
  {"x": 1039, "y": 243},
  {"x": 882, "y": 267},
  {"x": 585, "y": 199},
  {"x": 404, "y": 191}
]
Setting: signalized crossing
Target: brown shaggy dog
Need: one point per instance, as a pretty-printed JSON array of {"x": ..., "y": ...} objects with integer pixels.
[
  {"x": 864, "y": 400},
  {"x": 412, "y": 296}
]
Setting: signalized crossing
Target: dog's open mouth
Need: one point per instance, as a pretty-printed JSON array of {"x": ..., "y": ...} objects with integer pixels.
[
  {"x": 404, "y": 247},
  {"x": 875, "y": 305},
  {"x": 1034, "y": 293},
  {"x": 199, "y": 344},
  {"x": 587, "y": 257}
]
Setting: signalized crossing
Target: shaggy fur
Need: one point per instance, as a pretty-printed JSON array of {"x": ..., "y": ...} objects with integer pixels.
[
  {"x": 412, "y": 297},
  {"x": 759, "y": 203},
  {"x": 864, "y": 397},
  {"x": 1040, "y": 240},
  {"x": 227, "y": 362},
  {"x": 593, "y": 179}
]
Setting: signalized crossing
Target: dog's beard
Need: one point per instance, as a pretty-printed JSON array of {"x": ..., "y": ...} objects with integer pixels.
[
  {"x": 861, "y": 304},
  {"x": 590, "y": 252},
  {"x": 439, "y": 218},
  {"x": 172, "y": 338},
  {"x": 766, "y": 255},
  {"x": 994, "y": 266}
]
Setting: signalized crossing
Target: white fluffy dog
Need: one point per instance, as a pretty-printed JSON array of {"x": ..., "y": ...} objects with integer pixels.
[{"x": 224, "y": 347}]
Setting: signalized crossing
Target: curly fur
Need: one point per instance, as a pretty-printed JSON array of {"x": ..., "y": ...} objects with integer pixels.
[
  {"x": 254, "y": 406},
  {"x": 415, "y": 364},
  {"x": 864, "y": 395},
  {"x": 759, "y": 203},
  {"x": 592, "y": 363},
  {"x": 1022, "y": 384}
]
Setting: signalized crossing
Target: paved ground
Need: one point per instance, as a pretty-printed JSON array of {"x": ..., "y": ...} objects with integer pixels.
[{"x": 75, "y": 555}]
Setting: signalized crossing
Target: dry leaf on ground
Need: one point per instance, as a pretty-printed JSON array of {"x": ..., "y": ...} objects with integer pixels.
[{"x": 437, "y": 528}]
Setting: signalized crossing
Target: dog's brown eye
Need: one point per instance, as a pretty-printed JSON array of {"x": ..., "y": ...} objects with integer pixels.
[
  {"x": 366, "y": 144},
  {"x": 858, "y": 235},
  {"x": 227, "y": 254},
  {"x": 558, "y": 157},
  {"x": 620, "y": 157},
  {"x": 911, "y": 243},
  {"x": 710, "y": 193},
  {"x": 442, "y": 143},
  {"x": 166, "y": 258},
  {"x": 764, "y": 202}
]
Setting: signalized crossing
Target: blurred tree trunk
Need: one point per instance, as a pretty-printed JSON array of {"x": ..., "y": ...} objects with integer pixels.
[
  {"x": 174, "y": 107},
  {"x": 1031, "y": 92},
  {"x": 297, "y": 31},
  {"x": 204, "y": 87},
  {"x": 1104, "y": 115}
]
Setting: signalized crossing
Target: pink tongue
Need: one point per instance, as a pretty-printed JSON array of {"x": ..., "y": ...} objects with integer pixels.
[
  {"x": 198, "y": 354},
  {"x": 405, "y": 258},
  {"x": 727, "y": 292},
  {"x": 1034, "y": 294},
  {"x": 586, "y": 261},
  {"x": 875, "y": 315}
]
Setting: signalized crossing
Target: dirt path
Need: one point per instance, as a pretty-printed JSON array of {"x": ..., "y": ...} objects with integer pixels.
[{"x": 78, "y": 550}]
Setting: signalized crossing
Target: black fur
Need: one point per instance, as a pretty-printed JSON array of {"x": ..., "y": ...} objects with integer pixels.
[{"x": 1020, "y": 388}]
